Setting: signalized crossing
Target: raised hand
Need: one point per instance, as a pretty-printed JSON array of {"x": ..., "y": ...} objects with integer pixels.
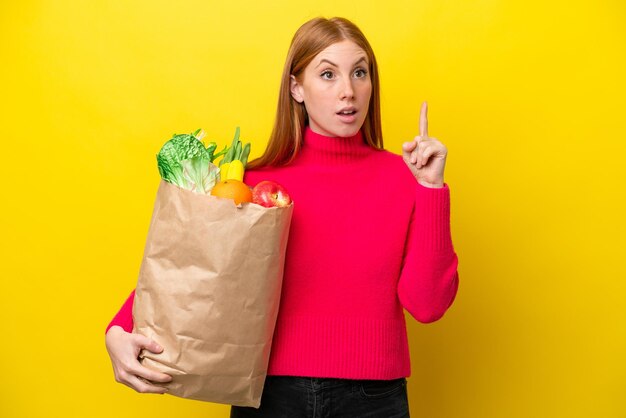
[{"x": 425, "y": 156}]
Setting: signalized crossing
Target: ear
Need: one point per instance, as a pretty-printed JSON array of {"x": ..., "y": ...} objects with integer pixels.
[{"x": 296, "y": 89}]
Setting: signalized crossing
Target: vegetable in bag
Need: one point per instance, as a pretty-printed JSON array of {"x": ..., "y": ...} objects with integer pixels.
[{"x": 185, "y": 162}]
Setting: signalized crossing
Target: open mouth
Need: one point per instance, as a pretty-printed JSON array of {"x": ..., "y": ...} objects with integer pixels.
[{"x": 347, "y": 115}]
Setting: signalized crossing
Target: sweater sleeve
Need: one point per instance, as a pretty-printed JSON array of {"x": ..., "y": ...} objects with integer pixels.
[
  {"x": 124, "y": 318},
  {"x": 429, "y": 278}
]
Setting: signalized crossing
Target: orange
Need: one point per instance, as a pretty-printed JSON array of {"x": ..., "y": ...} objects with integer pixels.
[{"x": 233, "y": 189}]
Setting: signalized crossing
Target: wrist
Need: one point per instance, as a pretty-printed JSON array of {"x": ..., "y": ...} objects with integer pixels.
[
  {"x": 428, "y": 184},
  {"x": 115, "y": 329}
]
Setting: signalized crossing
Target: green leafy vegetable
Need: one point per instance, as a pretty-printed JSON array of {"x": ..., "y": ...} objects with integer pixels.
[
  {"x": 200, "y": 174},
  {"x": 185, "y": 162}
]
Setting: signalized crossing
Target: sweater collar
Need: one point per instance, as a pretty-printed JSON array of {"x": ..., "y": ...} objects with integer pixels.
[{"x": 328, "y": 150}]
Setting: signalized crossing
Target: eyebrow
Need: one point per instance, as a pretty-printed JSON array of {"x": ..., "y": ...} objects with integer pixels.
[{"x": 335, "y": 65}]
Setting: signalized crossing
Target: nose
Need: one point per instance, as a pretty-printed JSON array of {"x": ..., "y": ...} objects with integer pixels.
[{"x": 347, "y": 92}]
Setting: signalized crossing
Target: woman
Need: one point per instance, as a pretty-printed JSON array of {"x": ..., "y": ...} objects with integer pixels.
[{"x": 370, "y": 235}]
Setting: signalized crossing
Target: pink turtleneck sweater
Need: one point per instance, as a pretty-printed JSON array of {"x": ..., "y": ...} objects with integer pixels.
[{"x": 366, "y": 240}]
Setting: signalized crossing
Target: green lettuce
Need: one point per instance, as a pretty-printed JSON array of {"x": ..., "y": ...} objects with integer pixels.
[
  {"x": 185, "y": 162},
  {"x": 199, "y": 174}
]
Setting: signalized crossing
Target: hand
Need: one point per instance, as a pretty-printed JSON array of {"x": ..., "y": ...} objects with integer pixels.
[
  {"x": 425, "y": 156},
  {"x": 124, "y": 348}
]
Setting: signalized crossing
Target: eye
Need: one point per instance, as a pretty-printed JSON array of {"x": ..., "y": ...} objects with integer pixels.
[
  {"x": 327, "y": 75},
  {"x": 360, "y": 73}
]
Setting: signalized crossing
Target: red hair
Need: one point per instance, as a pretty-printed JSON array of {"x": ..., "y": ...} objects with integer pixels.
[{"x": 291, "y": 119}]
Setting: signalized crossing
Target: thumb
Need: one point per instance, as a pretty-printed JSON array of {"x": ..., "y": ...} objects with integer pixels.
[{"x": 149, "y": 344}]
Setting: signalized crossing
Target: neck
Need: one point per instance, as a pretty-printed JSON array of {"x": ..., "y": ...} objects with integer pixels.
[{"x": 333, "y": 151}]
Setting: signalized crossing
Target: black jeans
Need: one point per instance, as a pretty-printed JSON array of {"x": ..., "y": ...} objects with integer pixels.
[{"x": 307, "y": 397}]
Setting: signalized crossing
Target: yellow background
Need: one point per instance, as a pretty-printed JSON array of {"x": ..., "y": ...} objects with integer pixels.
[{"x": 528, "y": 96}]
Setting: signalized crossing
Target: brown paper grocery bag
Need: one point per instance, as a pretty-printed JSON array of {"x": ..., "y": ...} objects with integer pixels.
[{"x": 208, "y": 292}]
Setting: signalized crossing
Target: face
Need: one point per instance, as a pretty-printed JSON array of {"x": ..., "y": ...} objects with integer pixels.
[{"x": 335, "y": 88}]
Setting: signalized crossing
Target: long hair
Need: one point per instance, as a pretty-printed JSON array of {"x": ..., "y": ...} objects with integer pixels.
[{"x": 291, "y": 118}]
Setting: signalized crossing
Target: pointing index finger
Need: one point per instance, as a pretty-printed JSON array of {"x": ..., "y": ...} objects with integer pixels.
[{"x": 424, "y": 120}]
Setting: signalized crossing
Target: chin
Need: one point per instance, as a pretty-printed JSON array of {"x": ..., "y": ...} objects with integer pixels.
[
  {"x": 346, "y": 131},
  {"x": 337, "y": 130},
  {"x": 350, "y": 132}
]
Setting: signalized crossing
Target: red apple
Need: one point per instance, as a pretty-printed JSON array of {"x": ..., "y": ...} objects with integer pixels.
[{"x": 270, "y": 194}]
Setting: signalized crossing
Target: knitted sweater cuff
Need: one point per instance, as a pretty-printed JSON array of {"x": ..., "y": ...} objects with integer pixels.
[{"x": 432, "y": 217}]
